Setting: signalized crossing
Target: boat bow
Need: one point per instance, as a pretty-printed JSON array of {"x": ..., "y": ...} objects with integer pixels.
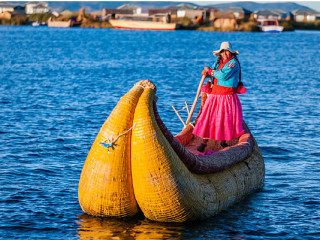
[
  {"x": 152, "y": 170},
  {"x": 165, "y": 187}
]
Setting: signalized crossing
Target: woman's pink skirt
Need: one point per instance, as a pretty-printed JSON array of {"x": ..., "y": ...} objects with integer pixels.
[{"x": 221, "y": 118}]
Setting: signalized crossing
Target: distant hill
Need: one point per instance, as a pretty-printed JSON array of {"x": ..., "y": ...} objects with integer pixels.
[
  {"x": 254, "y": 6},
  {"x": 98, "y": 6}
]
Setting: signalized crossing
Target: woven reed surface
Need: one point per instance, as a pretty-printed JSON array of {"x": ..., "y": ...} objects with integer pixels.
[
  {"x": 164, "y": 187},
  {"x": 211, "y": 163},
  {"x": 105, "y": 187}
]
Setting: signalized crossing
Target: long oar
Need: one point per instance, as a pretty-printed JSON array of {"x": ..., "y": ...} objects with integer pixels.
[{"x": 195, "y": 100}]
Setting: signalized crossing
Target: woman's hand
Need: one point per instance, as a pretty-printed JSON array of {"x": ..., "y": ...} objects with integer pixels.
[{"x": 205, "y": 71}]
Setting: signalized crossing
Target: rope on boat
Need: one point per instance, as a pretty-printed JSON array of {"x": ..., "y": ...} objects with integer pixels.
[
  {"x": 111, "y": 141},
  {"x": 193, "y": 124}
]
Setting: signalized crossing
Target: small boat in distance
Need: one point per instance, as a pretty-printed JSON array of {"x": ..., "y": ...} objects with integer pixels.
[
  {"x": 62, "y": 24},
  {"x": 38, "y": 24},
  {"x": 269, "y": 25},
  {"x": 144, "y": 22}
]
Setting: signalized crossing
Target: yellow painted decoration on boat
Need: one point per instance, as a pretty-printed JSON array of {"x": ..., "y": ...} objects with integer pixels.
[
  {"x": 166, "y": 190},
  {"x": 105, "y": 187}
]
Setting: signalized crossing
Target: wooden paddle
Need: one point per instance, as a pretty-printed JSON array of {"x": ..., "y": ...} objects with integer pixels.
[{"x": 195, "y": 100}]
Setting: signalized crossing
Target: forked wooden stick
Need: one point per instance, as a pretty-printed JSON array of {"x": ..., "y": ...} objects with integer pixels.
[
  {"x": 178, "y": 115},
  {"x": 195, "y": 100}
]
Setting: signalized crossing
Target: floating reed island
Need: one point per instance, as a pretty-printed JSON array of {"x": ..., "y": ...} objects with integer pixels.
[{"x": 136, "y": 165}]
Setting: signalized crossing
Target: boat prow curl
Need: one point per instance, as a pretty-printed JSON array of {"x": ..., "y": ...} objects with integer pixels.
[{"x": 136, "y": 163}]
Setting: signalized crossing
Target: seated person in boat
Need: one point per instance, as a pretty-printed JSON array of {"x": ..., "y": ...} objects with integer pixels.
[{"x": 221, "y": 117}]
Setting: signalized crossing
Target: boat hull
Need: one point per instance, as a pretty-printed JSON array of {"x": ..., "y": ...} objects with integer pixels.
[
  {"x": 162, "y": 176},
  {"x": 271, "y": 29},
  {"x": 142, "y": 25},
  {"x": 59, "y": 24}
]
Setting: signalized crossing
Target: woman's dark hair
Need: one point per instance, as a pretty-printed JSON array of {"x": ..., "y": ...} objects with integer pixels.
[{"x": 218, "y": 61}]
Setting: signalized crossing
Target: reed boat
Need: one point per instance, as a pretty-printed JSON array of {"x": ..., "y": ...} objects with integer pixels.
[
  {"x": 136, "y": 165},
  {"x": 143, "y": 22},
  {"x": 61, "y": 24},
  {"x": 142, "y": 25}
]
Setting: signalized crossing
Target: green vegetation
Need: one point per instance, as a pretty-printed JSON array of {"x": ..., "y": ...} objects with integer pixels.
[
  {"x": 248, "y": 26},
  {"x": 243, "y": 25},
  {"x": 40, "y": 17},
  {"x": 185, "y": 23},
  {"x": 306, "y": 25},
  {"x": 96, "y": 24},
  {"x": 287, "y": 25},
  {"x": 65, "y": 17},
  {"x": 92, "y": 21},
  {"x": 214, "y": 29}
]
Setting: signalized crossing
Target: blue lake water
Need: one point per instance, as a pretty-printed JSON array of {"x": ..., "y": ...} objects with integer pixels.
[{"x": 58, "y": 86}]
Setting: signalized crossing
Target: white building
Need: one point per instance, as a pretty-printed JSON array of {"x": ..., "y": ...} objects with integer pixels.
[
  {"x": 305, "y": 15},
  {"x": 136, "y": 9},
  {"x": 37, "y": 7},
  {"x": 191, "y": 13}
]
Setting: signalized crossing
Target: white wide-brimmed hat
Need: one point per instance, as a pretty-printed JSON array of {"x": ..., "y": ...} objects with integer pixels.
[{"x": 225, "y": 46}]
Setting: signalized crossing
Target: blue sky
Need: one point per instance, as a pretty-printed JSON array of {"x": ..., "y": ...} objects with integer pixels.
[{"x": 311, "y": 4}]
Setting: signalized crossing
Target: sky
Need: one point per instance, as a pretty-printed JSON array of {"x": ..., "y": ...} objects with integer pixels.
[{"x": 311, "y": 4}]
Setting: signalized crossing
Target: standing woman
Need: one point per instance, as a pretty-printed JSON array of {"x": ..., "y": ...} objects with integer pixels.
[{"x": 221, "y": 118}]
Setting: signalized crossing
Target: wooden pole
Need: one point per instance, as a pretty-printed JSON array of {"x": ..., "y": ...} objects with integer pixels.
[
  {"x": 195, "y": 100},
  {"x": 178, "y": 115},
  {"x": 187, "y": 107}
]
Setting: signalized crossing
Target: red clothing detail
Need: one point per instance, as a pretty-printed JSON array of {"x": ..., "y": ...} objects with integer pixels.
[
  {"x": 225, "y": 61},
  {"x": 206, "y": 88},
  {"x": 221, "y": 90}
]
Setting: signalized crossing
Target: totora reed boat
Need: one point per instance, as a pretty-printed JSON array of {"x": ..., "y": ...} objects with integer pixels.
[
  {"x": 136, "y": 165},
  {"x": 59, "y": 24},
  {"x": 144, "y": 22}
]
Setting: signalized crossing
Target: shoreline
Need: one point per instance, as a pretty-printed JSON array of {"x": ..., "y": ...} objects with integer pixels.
[{"x": 244, "y": 27}]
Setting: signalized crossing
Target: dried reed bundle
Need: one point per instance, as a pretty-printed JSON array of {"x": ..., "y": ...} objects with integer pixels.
[
  {"x": 166, "y": 190},
  {"x": 105, "y": 187}
]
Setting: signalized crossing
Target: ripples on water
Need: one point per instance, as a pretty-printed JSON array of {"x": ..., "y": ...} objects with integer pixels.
[{"x": 59, "y": 85}]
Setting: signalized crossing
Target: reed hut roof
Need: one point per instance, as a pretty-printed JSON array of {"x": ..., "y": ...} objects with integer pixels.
[{"x": 227, "y": 15}]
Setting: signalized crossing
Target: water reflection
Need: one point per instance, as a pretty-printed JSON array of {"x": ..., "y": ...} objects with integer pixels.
[{"x": 107, "y": 228}]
